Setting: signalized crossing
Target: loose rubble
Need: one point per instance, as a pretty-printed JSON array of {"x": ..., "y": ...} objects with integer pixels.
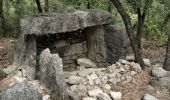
[
  {"x": 98, "y": 82},
  {"x": 87, "y": 83}
]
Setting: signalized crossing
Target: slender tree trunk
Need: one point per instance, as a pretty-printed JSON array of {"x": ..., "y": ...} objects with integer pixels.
[
  {"x": 46, "y": 6},
  {"x": 129, "y": 29},
  {"x": 141, "y": 18},
  {"x": 39, "y": 6},
  {"x": 167, "y": 56},
  {"x": 88, "y": 4},
  {"x": 2, "y": 19}
]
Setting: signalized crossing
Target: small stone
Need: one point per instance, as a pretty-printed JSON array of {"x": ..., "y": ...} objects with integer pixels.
[
  {"x": 106, "y": 87},
  {"x": 116, "y": 95},
  {"x": 149, "y": 97},
  {"x": 147, "y": 62},
  {"x": 103, "y": 96},
  {"x": 130, "y": 58},
  {"x": 7, "y": 70},
  {"x": 86, "y": 63},
  {"x": 113, "y": 81},
  {"x": 19, "y": 74},
  {"x": 81, "y": 87},
  {"x": 89, "y": 98},
  {"x": 122, "y": 61},
  {"x": 20, "y": 79},
  {"x": 136, "y": 67},
  {"x": 74, "y": 80},
  {"x": 111, "y": 68},
  {"x": 95, "y": 92},
  {"x": 159, "y": 71},
  {"x": 73, "y": 88},
  {"x": 100, "y": 73},
  {"x": 112, "y": 75},
  {"x": 85, "y": 72},
  {"x": 122, "y": 70},
  {"x": 118, "y": 64},
  {"x": 93, "y": 79},
  {"x": 46, "y": 97},
  {"x": 128, "y": 78},
  {"x": 150, "y": 88},
  {"x": 133, "y": 73},
  {"x": 104, "y": 79}
]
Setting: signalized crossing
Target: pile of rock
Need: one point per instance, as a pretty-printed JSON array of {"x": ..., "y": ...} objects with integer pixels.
[{"x": 92, "y": 83}]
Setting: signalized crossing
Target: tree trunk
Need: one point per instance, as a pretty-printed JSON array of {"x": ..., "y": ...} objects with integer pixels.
[
  {"x": 2, "y": 19},
  {"x": 39, "y": 6},
  {"x": 46, "y": 6},
  {"x": 129, "y": 30},
  {"x": 141, "y": 18},
  {"x": 167, "y": 56},
  {"x": 88, "y": 4}
]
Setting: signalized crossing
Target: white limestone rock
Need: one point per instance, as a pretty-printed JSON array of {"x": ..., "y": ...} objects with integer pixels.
[
  {"x": 147, "y": 62},
  {"x": 46, "y": 97},
  {"x": 103, "y": 96},
  {"x": 149, "y": 97},
  {"x": 86, "y": 63},
  {"x": 89, "y": 98},
  {"x": 116, "y": 95},
  {"x": 74, "y": 80},
  {"x": 95, "y": 92},
  {"x": 159, "y": 71},
  {"x": 130, "y": 58},
  {"x": 106, "y": 88},
  {"x": 133, "y": 73},
  {"x": 135, "y": 66},
  {"x": 122, "y": 61}
]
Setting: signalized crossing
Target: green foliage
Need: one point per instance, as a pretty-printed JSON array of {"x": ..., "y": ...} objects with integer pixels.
[{"x": 154, "y": 22}]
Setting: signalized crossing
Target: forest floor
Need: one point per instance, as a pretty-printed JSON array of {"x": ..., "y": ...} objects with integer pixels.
[{"x": 133, "y": 90}]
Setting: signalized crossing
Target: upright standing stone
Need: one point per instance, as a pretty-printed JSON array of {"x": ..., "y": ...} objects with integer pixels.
[
  {"x": 52, "y": 75},
  {"x": 25, "y": 55}
]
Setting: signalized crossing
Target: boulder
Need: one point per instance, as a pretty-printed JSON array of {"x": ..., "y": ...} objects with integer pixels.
[
  {"x": 149, "y": 97},
  {"x": 19, "y": 91},
  {"x": 158, "y": 71},
  {"x": 161, "y": 81},
  {"x": 86, "y": 63}
]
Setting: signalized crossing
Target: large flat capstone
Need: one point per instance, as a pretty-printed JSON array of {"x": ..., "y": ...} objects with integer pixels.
[{"x": 63, "y": 22}]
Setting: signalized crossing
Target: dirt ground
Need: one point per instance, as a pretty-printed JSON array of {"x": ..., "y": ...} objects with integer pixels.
[{"x": 133, "y": 90}]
